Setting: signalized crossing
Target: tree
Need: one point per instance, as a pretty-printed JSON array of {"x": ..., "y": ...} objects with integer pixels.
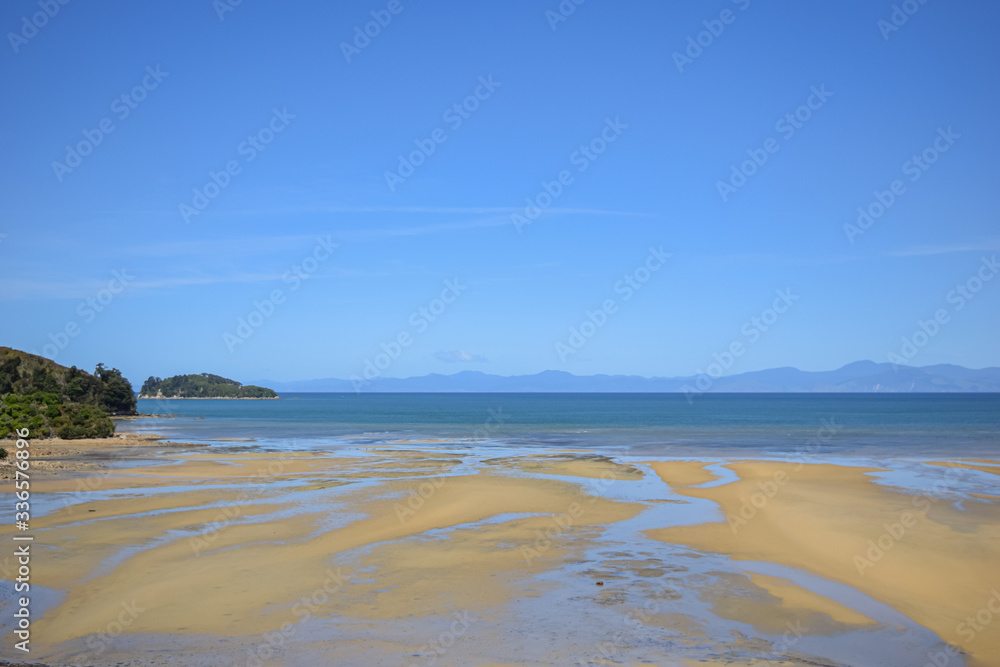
[
  {"x": 42, "y": 379},
  {"x": 81, "y": 387},
  {"x": 9, "y": 374},
  {"x": 117, "y": 396},
  {"x": 150, "y": 386}
]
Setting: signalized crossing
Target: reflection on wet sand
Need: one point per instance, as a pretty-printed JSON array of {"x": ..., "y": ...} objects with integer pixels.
[{"x": 400, "y": 555}]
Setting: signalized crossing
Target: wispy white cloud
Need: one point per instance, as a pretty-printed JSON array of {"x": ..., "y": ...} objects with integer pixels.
[
  {"x": 163, "y": 283},
  {"x": 431, "y": 210},
  {"x": 19, "y": 288},
  {"x": 459, "y": 357},
  {"x": 248, "y": 245},
  {"x": 415, "y": 210},
  {"x": 501, "y": 219},
  {"x": 923, "y": 250},
  {"x": 357, "y": 235},
  {"x": 68, "y": 288},
  {"x": 770, "y": 259},
  {"x": 229, "y": 252}
]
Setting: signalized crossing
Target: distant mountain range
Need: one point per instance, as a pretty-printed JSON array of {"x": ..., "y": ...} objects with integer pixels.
[{"x": 860, "y": 376}]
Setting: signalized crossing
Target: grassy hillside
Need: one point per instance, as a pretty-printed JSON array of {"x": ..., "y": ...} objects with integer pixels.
[
  {"x": 53, "y": 400},
  {"x": 205, "y": 385}
]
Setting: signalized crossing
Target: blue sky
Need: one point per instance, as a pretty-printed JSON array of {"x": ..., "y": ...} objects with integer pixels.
[{"x": 208, "y": 89}]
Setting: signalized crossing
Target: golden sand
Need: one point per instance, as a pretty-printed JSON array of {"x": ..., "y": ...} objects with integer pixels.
[
  {"x": 236, "y": 544},
  {"x": 922, "y": 555},
  {"x": 681, "y": 474},
  {"x": 278, "y": 561}
]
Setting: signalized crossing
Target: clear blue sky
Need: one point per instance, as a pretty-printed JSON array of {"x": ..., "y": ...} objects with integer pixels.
[{"x": 608, "y": 68}]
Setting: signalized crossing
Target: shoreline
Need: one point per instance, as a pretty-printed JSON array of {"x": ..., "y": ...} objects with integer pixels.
[
  {"x": 400, "y": 538},
  {"x": 208, "y": 398},
  {"x": 57, "y": 456}
]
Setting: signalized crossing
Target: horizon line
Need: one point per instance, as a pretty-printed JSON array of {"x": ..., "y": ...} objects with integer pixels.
[{"x": 644, "y": 377}]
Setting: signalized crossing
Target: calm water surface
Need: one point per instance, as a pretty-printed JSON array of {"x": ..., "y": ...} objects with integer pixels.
[{"x": 913, "y": 425}]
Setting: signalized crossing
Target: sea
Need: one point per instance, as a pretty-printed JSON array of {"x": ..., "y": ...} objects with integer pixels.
[
  {"x": 558, "y": 615},
  {"x": 918, "y": 426}
]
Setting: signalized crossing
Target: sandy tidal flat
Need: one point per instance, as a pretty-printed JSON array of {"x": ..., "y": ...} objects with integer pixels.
[{"x": 423, "y": 553}]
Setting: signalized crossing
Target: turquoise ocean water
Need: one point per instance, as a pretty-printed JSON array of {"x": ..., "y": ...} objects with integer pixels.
[
  {"x": 912, "y": 425},
  {"x": 893, "y": 435}
]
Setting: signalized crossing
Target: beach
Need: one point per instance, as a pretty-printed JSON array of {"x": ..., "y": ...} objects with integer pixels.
[
  {"x": 420, "y": 553},
  {"x": 416, "y": 334}
]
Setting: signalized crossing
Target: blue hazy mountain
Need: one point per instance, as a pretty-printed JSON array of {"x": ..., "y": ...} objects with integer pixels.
[{"x": 860, "y": 376}]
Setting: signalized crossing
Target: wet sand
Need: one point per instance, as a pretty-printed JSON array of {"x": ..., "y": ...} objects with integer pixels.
[
  {"x": 923, "y": 553},
  {"x": 151, "y": 553}
]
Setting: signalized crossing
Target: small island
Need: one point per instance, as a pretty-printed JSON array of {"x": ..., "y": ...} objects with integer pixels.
[{"x": 204, "y": 385}]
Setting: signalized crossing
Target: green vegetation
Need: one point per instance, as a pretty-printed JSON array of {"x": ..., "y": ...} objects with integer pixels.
[
  {"x": 205, "y": 385},
  {"x": 53, "y": 400},
  {"x": 44, "y": 414}
]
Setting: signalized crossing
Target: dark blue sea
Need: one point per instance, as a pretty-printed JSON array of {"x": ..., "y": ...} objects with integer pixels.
[{"x": 911, "y": 425}]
